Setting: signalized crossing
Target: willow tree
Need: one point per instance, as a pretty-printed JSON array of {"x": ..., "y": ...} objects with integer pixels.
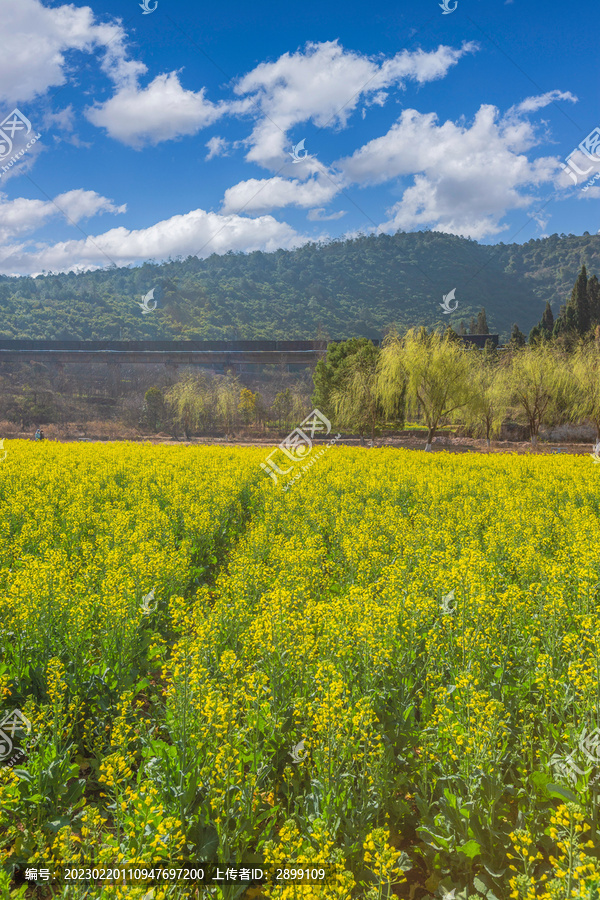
[
  {"x": 586, "y": 372},
  {"x": 228, "y": 389},
  {"x": 356, "y": 401},
  {"x": 191, "y": 403},
  {"x": 435, "y": 371},
  {"x": 248, "y": 405},
  {"x": 489, "y": 398},
  {"x": 541, "y": 387}
]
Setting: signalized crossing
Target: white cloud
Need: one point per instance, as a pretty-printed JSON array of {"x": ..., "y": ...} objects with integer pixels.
[
  {"x": 533, "y": 104},
  {"x": 160, "y": 112},
  {"x": 40, "y": 40},
  {"x": 197, "y": 232},
  {"x": 420, "y": 66},
  {"x": 80, "y": 204},
  {"x": 466, "y": 178},
  {"x": 324, "y": 83},
  {"x": 317, "y": 215},
  {"x": 217, "y": 146},
  {"x": 63, "y": 119},
  {"x": 36, "y": 40},
  {"x": 20, "y": 216},
  {"x": 579, "y": 172},
  {"x": 257, "y": 194},
  {"x": 377, "y": 99}
]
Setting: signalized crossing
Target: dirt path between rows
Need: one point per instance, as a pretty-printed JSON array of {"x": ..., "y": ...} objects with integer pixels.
[{"x": 447, "y": 443}]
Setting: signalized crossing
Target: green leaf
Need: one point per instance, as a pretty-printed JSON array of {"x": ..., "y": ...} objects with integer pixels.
[
  {"x": 484, "y": 889},
  {"x": 471, "y": 849},
  {"x": 435, "y": 840},
  {"x": 24, "y": 775},
  {"x": 555, "y": 790},
  {"x": 451, "y": 798},
  {"x": 539, "y": 780}
]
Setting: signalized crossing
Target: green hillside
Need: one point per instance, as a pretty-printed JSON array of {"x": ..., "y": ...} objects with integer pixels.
[{"x": 336, "y": 290}]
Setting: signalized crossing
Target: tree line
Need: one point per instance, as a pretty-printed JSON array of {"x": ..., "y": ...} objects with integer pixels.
[
  {"x": 439, "y": 380},
  {"x": 360, "y": 286},
  {"x": 207, "y": 404},
  {"x": 552, "y": 378},
  {"x": 430, "y": 377}
]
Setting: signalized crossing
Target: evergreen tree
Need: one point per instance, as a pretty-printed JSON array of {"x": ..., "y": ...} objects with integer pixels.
[
  {"x": 565, "y": 324},
  {"x": 329, "y": 372},
  {"x": 579, "y": 303},
  {"x": 534, "y": 335},
  {"x": 547, "y": 323},
  {"x": 356, "y": 399},
  {"x": 558, "y": 328},
  {"x": 462, "y": 328},
  {"x": 482, "y": 325},
  {"x": 560, "y": 322},
  {"x": 473, "y": 326},
  {"x": 517, "y": 338},
  {"x": 153, "y": 411},
  {"x": 544, "y": 330},
  {"x": 571, "y": 319},
  {"x": 593, "y": 292}
]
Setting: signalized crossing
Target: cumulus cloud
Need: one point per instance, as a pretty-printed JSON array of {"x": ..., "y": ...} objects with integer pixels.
[
  {"x": 256, "y": 195},
  {"x": 20, "y": 216},
  {"x": 160, "y": 112},
  {"x": 461, "y": 178},
  {"x": 36, "y": 42},
  {"x": 466, "y": 178},
  {"x": 325, "y": 83},
  {"x": 322, "y": 82},
  {"x": 80, "y": 204},
  {"x": 197, "y": 232}
]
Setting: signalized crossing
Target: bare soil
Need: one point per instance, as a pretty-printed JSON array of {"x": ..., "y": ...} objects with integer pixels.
[{"x": 448, "y": 442}]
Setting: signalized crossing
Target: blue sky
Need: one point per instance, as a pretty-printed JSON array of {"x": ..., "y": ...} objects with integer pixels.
[{"x": 170, "y": 133}]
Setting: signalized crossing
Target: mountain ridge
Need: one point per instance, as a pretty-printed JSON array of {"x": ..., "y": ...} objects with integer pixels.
[{"x": 355, "y": 287}]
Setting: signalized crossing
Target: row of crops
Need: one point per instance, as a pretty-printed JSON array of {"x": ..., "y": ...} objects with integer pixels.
[{"x": 390, "y": 670}]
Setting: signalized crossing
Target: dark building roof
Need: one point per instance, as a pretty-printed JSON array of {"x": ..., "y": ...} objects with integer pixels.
[
  {"x": 478, "y": 340},
  {"x": 186, "y": 346},
  {"x": 199, "y": 346}
]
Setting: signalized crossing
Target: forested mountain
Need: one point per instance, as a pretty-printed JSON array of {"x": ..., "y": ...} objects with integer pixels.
[{"x": 336, "y": 290}]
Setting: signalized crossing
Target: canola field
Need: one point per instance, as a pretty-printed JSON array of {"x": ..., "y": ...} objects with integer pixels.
[{"x": 391, "y": 670}]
